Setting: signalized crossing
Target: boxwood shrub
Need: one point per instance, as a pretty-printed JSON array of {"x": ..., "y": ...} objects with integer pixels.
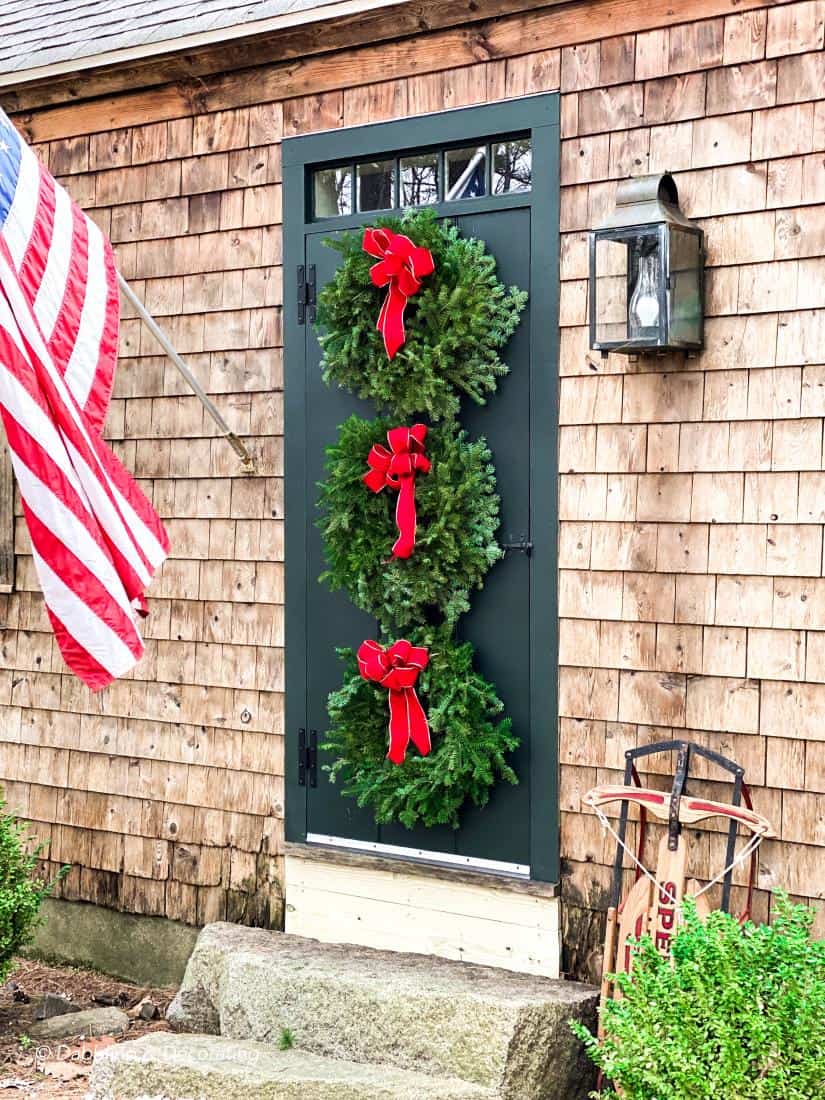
[
  {"x": 739, "y": 1013},
  {"x": 21, "y": 890}
]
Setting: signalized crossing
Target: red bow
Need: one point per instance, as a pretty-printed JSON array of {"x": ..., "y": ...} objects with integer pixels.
[
  {"x": 396, "y": 467},
  {"x": 397, "y": 669},
  {"x": 402, "y": 265}
]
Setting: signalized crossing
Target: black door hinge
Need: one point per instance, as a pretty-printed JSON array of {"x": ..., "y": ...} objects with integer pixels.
[
  {"x": 307, "y": 758},
  {"x": 306, "y": 294},
  {"x": 523, "y": 546},
  {"x": 302, "y": 758},
  {"x": 312, "y": 758}
]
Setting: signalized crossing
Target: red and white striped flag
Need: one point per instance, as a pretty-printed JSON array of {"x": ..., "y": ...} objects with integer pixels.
[{"x": 96, "y": 540}]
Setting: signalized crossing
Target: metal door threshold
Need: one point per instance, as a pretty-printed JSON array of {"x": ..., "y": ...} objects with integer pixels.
[{"x": 420, "y": 855}]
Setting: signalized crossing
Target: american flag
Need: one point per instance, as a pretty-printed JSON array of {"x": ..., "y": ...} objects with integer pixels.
[{"x": 96, "y": 540}]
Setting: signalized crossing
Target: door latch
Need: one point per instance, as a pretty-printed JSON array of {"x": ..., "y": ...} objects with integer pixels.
[{"x": 523, "y": 546}]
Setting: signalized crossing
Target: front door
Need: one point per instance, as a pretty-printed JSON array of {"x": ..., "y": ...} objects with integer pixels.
[{"x": 509, "y": 198}]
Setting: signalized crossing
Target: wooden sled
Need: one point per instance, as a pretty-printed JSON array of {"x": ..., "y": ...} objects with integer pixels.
[{"x": 654, "y": 901}]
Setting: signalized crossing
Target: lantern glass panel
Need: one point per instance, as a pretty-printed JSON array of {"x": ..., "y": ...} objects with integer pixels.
[
  {"x": 685, "y": 289},
  {"x": 612, "y": 262}
]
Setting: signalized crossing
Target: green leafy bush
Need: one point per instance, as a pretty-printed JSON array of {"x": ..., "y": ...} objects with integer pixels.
[
  {"x": 455, "y": 545},
  {"x": 738, "y": 1015},
  {"x": 470, "y": 741},
  {"x": 455, "y": 325},
  {"x": 21, "y": 893}
]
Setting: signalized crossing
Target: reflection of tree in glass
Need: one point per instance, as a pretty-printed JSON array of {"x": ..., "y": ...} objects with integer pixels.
[
  {"x": 419, "y": 176},
  {"x": 375, "y": 185},
  {"x": 333, "y": 192},
  {"x": 343, "y": 191},
  {"x": 512, "y": 167}
]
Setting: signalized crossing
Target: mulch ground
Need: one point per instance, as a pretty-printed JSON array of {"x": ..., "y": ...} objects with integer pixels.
[{"x": 60, "y": 1069}]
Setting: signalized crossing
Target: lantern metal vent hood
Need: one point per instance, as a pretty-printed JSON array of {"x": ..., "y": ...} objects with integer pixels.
[{"x": 647, "y": 273}]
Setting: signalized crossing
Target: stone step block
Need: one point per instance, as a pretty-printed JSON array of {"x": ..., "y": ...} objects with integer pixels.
[
  {"x": 165, "y": 1066},
  {"x": 494, "y": 1028}
]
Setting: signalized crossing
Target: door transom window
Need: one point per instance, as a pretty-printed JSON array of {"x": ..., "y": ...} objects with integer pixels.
[{"x": 423, "y": 178}]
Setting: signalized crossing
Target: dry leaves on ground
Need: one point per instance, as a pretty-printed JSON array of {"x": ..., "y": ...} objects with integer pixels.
[{"x": 60, "y": 1070}]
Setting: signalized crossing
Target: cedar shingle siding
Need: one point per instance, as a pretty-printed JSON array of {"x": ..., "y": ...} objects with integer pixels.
[{"x": 692, "y": 493}]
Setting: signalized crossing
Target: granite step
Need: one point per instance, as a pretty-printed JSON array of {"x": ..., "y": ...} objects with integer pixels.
[
  {"x": 492, "y": 1028},
  {"x": 165, "y": 1066}
]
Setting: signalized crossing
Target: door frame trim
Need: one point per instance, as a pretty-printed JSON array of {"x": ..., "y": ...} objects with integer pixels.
[{"x": 538, "y": 115}]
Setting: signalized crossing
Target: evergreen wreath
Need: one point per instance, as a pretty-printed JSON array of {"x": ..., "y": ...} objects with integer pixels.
[
  {"x": 458, "y": 515},
  {"x": 470, "y": 740},
  {"x": 455, "y": 324}
]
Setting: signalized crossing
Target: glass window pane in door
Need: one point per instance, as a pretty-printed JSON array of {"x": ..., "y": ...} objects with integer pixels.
[
  {"x": 332, "y": 192},
  {"x": 512, "y": 166},
  {"x": 419, "y": 180},
  {"x": 466, "y": 171},
  {"x": 376, "y": 185}
]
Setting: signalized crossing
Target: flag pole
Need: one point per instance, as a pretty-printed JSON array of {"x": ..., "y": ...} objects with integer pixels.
[{"x": 237, "y": 445}]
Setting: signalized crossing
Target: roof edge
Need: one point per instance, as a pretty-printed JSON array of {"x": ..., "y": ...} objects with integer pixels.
[{"x": 334, "y": 9}]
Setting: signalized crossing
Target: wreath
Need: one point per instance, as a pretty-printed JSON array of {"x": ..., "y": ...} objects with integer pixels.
[
  {"x": 456, "y": 323},
  {"x": 470, "y": 740},
  {"x": 457, "y": 510}
]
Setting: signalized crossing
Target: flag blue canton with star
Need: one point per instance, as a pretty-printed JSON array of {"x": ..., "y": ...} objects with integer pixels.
[{"x": 10, "y": 147}]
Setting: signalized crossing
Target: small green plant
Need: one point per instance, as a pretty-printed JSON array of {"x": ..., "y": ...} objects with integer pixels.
[
  {"x": 21, "y": 892},
  {"x": 287, "y": 1039},
  {"x": 26, "y": 1042},
  {"x": 739, "y": 1014}
]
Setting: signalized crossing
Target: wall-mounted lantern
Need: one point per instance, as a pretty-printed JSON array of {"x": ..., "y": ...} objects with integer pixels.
[{"x": 647, "y": 273}]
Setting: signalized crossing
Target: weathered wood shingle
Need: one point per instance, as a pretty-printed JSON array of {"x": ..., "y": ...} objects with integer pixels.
[{"x": 36, "y": 33}]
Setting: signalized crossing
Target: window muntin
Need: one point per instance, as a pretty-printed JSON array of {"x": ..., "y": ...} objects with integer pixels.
[{"x": 423, "y": 178}]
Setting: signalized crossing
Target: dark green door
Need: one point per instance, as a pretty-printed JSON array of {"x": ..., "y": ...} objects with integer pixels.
[{"x": 512, "y": 624}]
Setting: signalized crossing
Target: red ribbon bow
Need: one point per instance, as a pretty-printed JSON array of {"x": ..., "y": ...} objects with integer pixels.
[
  {"x": 397, "y": 467},
  {"x": 402, "y": 265},
  {"x": 397, "y": 668}
]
